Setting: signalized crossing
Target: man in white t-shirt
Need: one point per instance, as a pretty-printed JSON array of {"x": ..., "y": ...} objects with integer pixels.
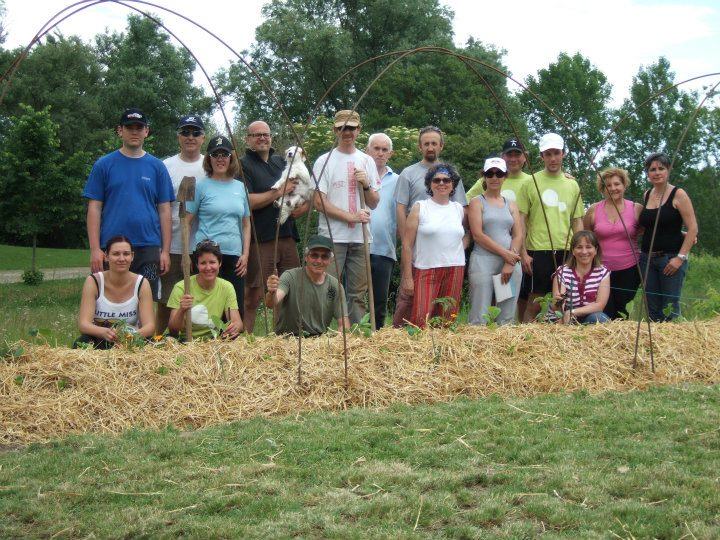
[
  {"x": 191, "y": 135},
  {"x": 342, "y": 174}
]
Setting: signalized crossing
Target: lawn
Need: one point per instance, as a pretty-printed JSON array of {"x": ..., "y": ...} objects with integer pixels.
[
  {"x": 18, "y": 258},
  {"x": 634, "y": 465}
]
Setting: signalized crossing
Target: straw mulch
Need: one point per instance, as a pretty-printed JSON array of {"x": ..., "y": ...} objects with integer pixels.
[{"x": 51, "y": 392}]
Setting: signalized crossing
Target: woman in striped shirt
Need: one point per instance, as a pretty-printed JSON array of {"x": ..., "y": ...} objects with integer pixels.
[{"x": 582, "y": 284}]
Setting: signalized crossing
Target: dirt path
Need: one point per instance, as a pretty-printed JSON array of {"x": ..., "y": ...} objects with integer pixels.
[{"x": 15, "y": 276}]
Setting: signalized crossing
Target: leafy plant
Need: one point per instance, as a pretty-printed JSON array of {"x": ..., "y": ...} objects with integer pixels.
[
  {"x": 491, "y": 316},
  {"x": 363, "y": 327},
  {"x": 128, "y": 336},
  {"x": 33, "y": 277},
  {"x": 219, "y": 327},
  {"x": 547, "y": 312}
]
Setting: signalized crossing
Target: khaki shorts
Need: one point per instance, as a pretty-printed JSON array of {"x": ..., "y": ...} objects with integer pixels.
[
  {"x": 168, "y": 281},
  {"x": 287, "y": 258}
]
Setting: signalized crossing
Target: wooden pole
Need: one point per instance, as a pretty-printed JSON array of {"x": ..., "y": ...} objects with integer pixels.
[{"x": 368, "y": 270}]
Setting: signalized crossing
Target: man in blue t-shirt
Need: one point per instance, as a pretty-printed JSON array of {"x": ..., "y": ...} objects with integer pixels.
[{"x": 129, "y": 193}]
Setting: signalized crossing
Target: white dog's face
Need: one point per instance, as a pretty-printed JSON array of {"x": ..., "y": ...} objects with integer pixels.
[{"x": 290, "y": 153}]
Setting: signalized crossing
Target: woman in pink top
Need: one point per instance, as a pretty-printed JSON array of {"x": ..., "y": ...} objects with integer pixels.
[{"x": 614, "y": 220}]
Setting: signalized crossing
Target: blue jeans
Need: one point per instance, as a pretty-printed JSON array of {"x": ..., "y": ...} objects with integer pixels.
[
  {"x": 662, "y": 291},
  {"x": 381, "y": 270},
  {"x": 594, "y": 318}
]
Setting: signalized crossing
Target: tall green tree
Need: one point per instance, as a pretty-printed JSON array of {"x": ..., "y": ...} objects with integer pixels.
[
  {"x": 39, "y": 188},
  {"x": 578, "y": 93},
  {"x": 64, "y": 74},
  {"x": 654, "y": 118},
  {"x": 142, "y": 68}
]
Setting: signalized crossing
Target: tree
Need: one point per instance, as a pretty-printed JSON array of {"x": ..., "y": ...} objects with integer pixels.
[
  {"x": 303, "y": 47},
  {"x": 578, "y": 93},
  {"x": 64, "y": 74},
  {"x": 3, "y": 30},
  {"x": 39, "y": 190},
  {"x": 143, "y": 69},
  {"x": 658, "y": 125}
]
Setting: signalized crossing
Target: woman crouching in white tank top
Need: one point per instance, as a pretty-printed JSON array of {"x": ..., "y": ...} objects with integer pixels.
[{"x": 113, "y": 296}]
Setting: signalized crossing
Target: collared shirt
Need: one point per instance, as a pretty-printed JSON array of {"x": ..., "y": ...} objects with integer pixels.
[
  {"x": 383, "y": 219},
  {"x": 260, "y": 176}
]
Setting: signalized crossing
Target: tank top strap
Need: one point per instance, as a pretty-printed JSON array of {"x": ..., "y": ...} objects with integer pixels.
[
  {"x": 138, "y": 284},
  {"x": 672, "y": 196},
  {"x": 646, "y": 197},
  {"x": 101, "y": 284}
]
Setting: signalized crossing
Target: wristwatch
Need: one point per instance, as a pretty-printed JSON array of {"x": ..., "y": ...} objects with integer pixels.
[{"x": 682, "y": 257}]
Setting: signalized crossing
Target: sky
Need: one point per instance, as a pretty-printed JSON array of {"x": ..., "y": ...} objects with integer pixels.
[{"x": 618, "y": 36}]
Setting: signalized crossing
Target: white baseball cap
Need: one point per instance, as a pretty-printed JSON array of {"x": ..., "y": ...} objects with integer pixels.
[
  {"x": 494, "y": 163},
  {"x": 551, "y": 140}
]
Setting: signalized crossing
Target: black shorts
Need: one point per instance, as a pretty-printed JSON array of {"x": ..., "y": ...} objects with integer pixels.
[
  {"x": 544, "y": 265},
  {"x": 525, "y": 286},
  {"x": 147, "y": 263}
]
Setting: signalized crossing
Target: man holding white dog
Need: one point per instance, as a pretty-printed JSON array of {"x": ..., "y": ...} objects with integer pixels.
[
  {"x": 341, "y": 174},
  {"x": 262, "y": 168}
]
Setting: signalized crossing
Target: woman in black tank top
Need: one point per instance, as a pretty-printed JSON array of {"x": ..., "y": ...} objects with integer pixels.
[{"x": 666, "y": 210}]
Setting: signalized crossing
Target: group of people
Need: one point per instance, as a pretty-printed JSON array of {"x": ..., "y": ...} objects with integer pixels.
[{"x": 531, "y": 236}]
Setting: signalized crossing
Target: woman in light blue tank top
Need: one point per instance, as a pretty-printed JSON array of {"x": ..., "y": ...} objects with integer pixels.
[{"x": 497, "y": 231}]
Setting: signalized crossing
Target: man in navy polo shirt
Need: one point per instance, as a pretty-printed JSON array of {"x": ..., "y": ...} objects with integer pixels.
[{"x": 129, "y": 192}]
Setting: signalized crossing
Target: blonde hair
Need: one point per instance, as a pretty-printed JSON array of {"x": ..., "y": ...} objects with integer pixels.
[{"x": 606, "y": 174}]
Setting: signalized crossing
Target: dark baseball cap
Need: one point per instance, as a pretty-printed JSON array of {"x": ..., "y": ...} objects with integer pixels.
[
  {"x": 318, "y": 241},
  {"x": 192, "y": 120},
  {"x": 513, "y": 145},
  {"x": 219, "y": 143},
  {"x": 133, "y": 116}
]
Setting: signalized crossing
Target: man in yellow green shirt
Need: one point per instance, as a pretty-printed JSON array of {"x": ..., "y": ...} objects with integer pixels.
[
  {"x": 513, "y": 152},
  {"x": 553, "y": 210}
]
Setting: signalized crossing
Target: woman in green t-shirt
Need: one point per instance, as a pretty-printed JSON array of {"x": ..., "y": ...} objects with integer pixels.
[{"x": 210, "y": 297}]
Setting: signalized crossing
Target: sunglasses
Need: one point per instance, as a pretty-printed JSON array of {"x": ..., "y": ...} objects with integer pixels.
[
  {"x": 439, "y": 180},
  {"x": 259, "y": 135},
  {"x": 495, "y": 174},
  {"x": 191, "y": 132},
  {"x": 220, "y": 154},
  {"x": 346, "y": 128},
  {"x": 207, "y": 243},
  {"x": 315, "y": 255}
]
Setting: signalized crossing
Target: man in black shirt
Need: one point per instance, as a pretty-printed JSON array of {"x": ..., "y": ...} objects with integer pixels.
[{"x": 262, "y": 168}]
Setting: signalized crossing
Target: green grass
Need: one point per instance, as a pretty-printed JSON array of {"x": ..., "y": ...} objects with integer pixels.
[
  {"x": 51, "y": 306},
  {"x": 635, "y": 465},
  {"x": 18, "y": 258}
]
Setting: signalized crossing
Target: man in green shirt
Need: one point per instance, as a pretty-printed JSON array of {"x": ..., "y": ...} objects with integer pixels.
[
  {"x": 553, "y": 210},
  {"x": 308, "y": 298},
  {"x": 513, "y": 152}
]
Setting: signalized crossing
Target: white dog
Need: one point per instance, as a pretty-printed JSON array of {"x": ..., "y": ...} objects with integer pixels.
[{"x": 304, "y": 188}]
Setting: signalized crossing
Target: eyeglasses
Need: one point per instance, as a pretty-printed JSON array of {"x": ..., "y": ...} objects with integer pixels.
[
  {"x": 325, "y": 255},
  {"x": 494, "y": 174},
  {"x": 346, "y": 128},
  {"x": 207, "y": 243},
  {"x": 191, "y": 132},
  {"x": 441, "y": 180},
  {"x": 259, "y": 135},
  {"x": 220, "y": 154}
]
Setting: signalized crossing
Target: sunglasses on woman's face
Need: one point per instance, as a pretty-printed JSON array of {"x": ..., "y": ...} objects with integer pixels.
[
  {"x": 441, "y": 180},
  {"x": 220, "y": 154},
  {"x": 495, "y": 174},
  {"x": 346, "y": 128}
]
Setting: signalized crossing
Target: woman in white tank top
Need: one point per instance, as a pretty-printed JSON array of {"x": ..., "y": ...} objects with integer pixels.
[
  {"x": 113, "y": 296},
  {"x": 433, "y": 248}
]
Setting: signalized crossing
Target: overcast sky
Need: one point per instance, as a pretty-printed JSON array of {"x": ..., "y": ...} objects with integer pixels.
[{"x": 618, "y": 36}]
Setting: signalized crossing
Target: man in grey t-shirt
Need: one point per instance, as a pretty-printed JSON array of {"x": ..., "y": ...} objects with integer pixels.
[{"x": 411, "y": 189}]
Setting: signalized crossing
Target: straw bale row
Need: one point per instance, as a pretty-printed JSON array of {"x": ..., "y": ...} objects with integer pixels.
[{"x": 51, "y": 392}]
